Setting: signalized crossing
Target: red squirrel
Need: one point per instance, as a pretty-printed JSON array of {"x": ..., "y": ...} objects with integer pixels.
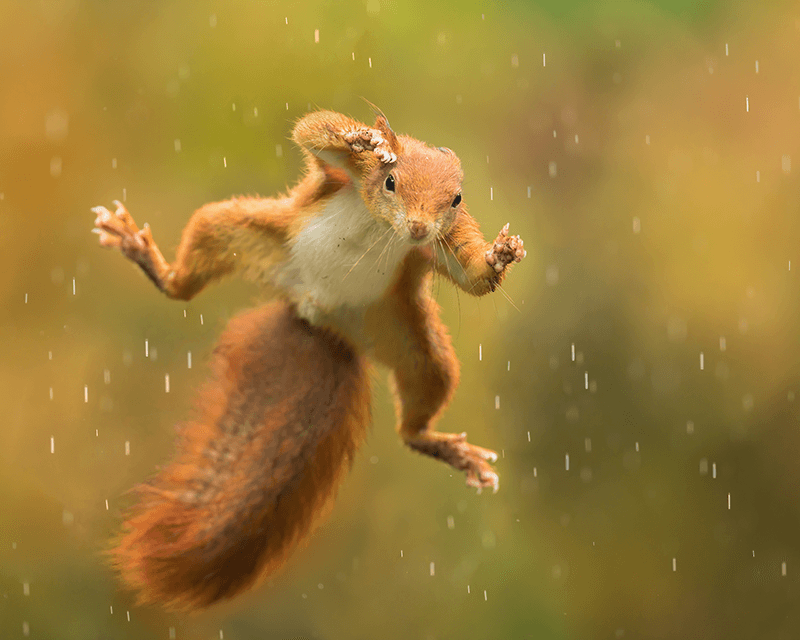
[{"x": 352, "y": 249}]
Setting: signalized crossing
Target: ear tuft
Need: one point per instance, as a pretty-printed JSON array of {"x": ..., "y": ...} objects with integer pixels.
[{"x": 382, "y": 125}]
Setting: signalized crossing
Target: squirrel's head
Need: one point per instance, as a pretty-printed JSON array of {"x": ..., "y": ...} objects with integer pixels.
[{"x": 420, "y": 193}]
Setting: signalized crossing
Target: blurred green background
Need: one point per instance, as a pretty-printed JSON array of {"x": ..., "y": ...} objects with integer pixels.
[{"x": 648, "y": 154}]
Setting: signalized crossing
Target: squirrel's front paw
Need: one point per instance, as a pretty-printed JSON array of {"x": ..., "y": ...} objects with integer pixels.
[
  {"x": 118, "y": 230},
  {"x": 505, "y": 250},
  {"x": 370, "y": 140}
]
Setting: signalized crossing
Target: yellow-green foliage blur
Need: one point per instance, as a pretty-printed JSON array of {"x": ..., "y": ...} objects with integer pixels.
[{"x": 640, "y": 373}]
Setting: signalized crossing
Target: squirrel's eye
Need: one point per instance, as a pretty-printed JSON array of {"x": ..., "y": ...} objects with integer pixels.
[
  {"x": 456, "y": 201},
  {"x": 389, "y": 184}
]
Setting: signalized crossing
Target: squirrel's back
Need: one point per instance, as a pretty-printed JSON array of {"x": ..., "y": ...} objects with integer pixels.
[{"x": 275, "y": 429}]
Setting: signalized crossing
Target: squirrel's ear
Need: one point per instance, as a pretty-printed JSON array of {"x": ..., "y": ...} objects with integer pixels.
[{"x": 382, "y": 125}]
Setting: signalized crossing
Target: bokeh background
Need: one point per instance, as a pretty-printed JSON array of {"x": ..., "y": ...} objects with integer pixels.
[{"x": 641, "y": 384}]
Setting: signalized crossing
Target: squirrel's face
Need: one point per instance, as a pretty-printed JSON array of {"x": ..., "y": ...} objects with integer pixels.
[{"x": 419, "y": 194}]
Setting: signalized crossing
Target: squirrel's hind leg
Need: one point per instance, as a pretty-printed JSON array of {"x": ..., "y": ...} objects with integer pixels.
[{"x": 424, "y": 378}]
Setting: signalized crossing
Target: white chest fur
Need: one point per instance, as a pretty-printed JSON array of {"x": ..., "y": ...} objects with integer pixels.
[{"x": 344, "y": 256}]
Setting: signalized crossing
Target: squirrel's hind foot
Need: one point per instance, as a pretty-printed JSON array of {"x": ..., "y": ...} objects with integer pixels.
[{"x": 454, "y": 449}]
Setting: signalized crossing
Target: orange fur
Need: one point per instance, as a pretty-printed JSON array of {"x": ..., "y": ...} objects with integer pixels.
[
  {"x": 289, "y": 401},
  {"x": 274, "y": 432}
]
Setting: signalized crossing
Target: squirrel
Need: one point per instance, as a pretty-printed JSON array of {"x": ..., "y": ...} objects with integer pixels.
[{"x": 351, "y": 249}]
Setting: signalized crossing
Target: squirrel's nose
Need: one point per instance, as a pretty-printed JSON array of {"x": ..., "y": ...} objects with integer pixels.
[{"x": 418, "y": 230}]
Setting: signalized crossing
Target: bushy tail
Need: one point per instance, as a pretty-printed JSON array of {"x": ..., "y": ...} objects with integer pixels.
[{"x": 276, "y": 428}]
